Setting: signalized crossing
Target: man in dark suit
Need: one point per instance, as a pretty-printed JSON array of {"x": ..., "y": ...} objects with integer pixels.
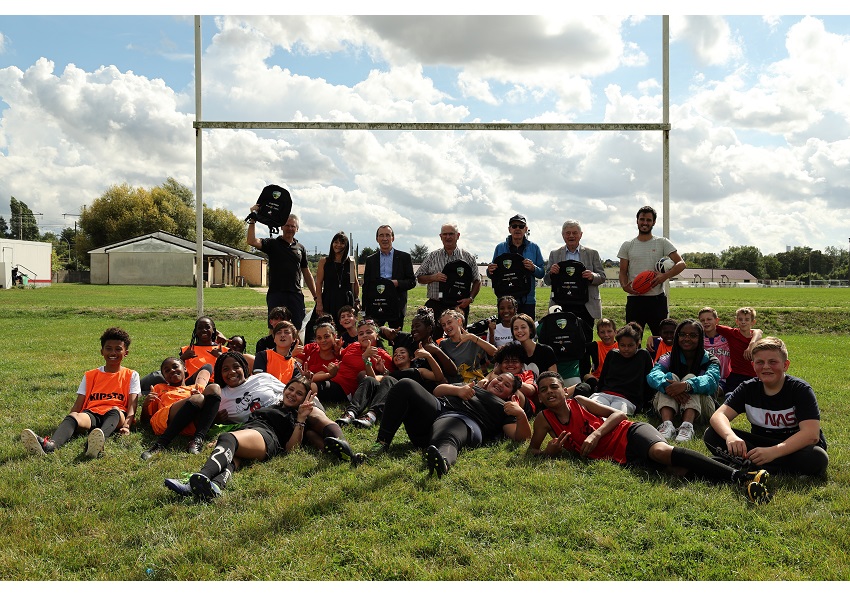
[
  {"x": 392, "y": 264},
  {"x": 594, "y": 274}
]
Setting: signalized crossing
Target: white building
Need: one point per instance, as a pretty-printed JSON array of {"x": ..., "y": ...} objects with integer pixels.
[{"x": 29, "y": 260}]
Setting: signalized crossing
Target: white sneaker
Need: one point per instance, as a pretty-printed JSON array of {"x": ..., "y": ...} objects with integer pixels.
[
  {"x": 95, "y": 443},
  {"x": 31, "y": 442},
  {"x": 686, "y": 432},
  {"x": 667, "y": 430}
]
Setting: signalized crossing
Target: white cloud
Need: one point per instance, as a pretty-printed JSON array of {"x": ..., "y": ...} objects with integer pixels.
[{"x": 709, "y": 37}]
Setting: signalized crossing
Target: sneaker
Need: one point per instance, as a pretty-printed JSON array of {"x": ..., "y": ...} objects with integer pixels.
[
  {"x": 365, "y": 422},
  {"x": 196, "y": 445},
  {"x": 95, "y": 443},
  {"x": 148, "y": 454},
  {"x": 346, "y": 419},
  {"x": 745, "y": 477},
  {"x": 686, "y": 432},
  {"x": 758, "y": 493},
  {"x": 180, "y": 488},
  {"x": 202, "y": 488},
  {"x": 342, "y": 450},
  {"x": 667, "y": 430},
  {"x": 36, "y": 444},
  {"x": 436, "y": 461},
  {"x": 723, "y": 455}
]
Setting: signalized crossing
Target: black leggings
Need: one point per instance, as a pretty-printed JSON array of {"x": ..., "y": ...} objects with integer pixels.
[
  {"x": 450, "y": 434},
  {"x": 411, "y": 405},
  {"x": 811, "y": 460},
  {"x": 371, "y": 395}
]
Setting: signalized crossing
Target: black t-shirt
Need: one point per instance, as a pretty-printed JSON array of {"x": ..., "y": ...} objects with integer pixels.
[
  {"x": 278, "y": 418},
  {"x": 458, "y": 284},
  {"x": 776, "y": 416},
  {"x": 380, "y": 299},
  {"x": 541, "y": 359},
  {"x": 568, "y": 286},
  {"x": 286, "y": 262},
  {"x": 486, "y": 409},
  {"x": 510, "y": 278}
]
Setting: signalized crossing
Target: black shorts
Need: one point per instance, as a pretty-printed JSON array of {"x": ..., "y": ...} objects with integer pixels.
[
  {"x": 273, "y": 446},
  {"x": 647, "y": 311},
  {"x": 96, "y": 419},
  {"x": 639, "y": 439}
]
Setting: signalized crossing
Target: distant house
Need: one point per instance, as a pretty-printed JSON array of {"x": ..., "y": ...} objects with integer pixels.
[
  {"x": 714, "y": 277},
  {"x": 160, "y": 258}
]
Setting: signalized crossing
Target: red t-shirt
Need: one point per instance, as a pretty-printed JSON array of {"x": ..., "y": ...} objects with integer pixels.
[
  {"x": 351, "y": 364},
  {"x": 737, "y": 344},
  {"x": 582, "y": 424},
  {"x": 313, "y": 360}
]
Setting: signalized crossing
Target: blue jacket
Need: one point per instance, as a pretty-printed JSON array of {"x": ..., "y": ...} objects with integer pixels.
[
  {"x": 531, "y": 251},
  {"x": 704, "y": 382}
]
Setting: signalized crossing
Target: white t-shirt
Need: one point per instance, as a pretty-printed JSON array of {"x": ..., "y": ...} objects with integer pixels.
[
  {"x": 642, "y": 256},
  {"x": 502, "y": 336},
  {"x": 258, "y": 391}
]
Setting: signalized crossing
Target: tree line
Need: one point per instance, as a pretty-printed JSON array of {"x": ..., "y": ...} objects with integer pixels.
[
  {"x": 800, "y": 263},
  {"x": 124, "y": 212}
]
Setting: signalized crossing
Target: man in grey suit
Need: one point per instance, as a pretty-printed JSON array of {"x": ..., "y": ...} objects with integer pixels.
[
  {"x": 594, "y": 273},
  {"x": 395, "y": 265}
]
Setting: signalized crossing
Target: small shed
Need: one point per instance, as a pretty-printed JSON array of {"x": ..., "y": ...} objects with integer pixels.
[
  {"x": 161, "y": 258},
  {"x": 30, "y": 261}
]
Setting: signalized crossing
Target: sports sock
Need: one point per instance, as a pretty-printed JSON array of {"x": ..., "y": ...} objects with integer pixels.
[
  {"x": 222, "y": 478},
  {"x": 222, "y": 455},
  {"x": 65, "y": 431},
  {"x": 110, "y": 422},
  {"x": 206, "y": 415},
  {"x": 332, "y": 430},
  {"x": 178, "y": 422},
  {"x": 701, "y": 465}
]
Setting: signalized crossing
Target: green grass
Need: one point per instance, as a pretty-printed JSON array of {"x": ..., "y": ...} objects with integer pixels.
[{"x": 498, "y": 515}]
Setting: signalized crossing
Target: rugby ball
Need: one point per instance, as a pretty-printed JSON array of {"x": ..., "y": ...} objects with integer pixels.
[
  {"x": 664, "y": 264},
  {"x": 642, "y": 282}
]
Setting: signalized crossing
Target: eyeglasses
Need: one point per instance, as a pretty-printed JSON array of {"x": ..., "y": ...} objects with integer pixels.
[
  {"x": 692, "y": 336},
  {"x": 517, "y": 225}
]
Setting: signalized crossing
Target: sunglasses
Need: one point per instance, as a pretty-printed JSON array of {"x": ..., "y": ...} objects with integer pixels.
[{"x": 517, "y": 225}]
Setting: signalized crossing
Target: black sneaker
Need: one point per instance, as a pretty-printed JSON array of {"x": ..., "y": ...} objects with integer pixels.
[
  {"x": 365, "y": 422},
  {"x": 342, "y": 450},
  {"x": 723, "y": 455},
  {"x": 202, "y": 488},
  {"x": 148, "y": 454},
  {"x": 745, "y": 477},
  {"x": 181, "y": 488},
  {"x": 196, "y": 445},
  {"x": 436, "y": 461},
  {"x": 758, "y": 493},
  {"x": 36, "y": 444}
]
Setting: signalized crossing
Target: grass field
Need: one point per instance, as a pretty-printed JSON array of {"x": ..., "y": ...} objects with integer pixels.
[{"x": 497, "y": 516}]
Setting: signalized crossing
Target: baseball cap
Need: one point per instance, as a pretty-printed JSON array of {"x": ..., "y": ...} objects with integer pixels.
[{"x": 517, "y": 218}]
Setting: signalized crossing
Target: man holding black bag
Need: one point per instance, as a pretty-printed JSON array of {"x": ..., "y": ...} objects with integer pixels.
[
  {"x": 575, "y": 274},
  {"x": 287, "y": 256}
]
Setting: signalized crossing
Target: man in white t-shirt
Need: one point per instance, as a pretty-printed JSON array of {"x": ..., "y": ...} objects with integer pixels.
[{"x": 640, "y": 254}]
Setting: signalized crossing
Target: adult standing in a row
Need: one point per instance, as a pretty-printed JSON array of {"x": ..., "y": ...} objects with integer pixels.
[
  {"x": 287, "y": 267},
  {"x": 587, "y": 304},
  {"x": 390, "y": 264},
  {"x": 431, "y": 272},
  {"x": 641, "y": 254},
  {"x": 517, "y": 243}
]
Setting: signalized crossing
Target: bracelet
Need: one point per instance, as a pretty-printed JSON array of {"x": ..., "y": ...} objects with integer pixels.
[{"x": 300, "y": 424}]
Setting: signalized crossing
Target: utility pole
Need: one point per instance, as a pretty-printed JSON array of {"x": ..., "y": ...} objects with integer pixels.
[
  {"x": 21, "y": 222},
  {"x": 65, "y": 215}
]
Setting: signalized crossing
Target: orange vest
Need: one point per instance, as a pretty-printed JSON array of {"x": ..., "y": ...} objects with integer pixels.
[
  {"x": 203, "y": 357},
  {"x": 107, "y": 390},
  {"x": 279, "y": 366}
]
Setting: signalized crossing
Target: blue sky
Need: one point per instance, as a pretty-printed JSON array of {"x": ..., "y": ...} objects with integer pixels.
[{"x": 758, "y": 110}]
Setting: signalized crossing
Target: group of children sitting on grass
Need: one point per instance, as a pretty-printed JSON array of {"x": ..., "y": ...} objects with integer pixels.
[{"x": 269, "y": 402}]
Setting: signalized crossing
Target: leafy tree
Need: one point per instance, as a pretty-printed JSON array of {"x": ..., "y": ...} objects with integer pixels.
[
  {"x": 4, "y": 228},
  {"x": 361, "y": 258},
  {"x": 701, "y": 260},
  {"x": 772, "y": 267},
  {"x": 23, "y": 224},
  {"x": 222, "y": 226},
  {"x": 418, "y": 253},
  {"x": 748, "y": 258}
]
